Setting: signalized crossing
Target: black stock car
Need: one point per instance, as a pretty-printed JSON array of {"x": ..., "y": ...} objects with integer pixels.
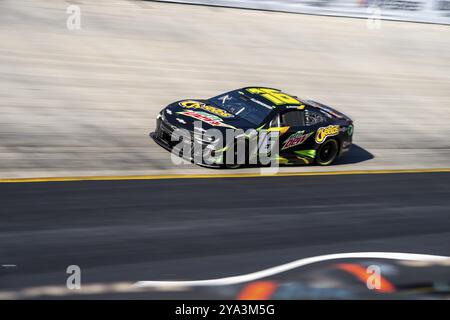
[{"x": 308, "y": 131}]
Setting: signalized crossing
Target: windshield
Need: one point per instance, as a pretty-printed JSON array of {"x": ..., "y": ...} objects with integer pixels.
[{"x": 245, "y": 107}]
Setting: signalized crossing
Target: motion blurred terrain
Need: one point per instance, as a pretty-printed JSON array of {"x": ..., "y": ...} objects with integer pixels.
[{"x": 82, "y": 102}]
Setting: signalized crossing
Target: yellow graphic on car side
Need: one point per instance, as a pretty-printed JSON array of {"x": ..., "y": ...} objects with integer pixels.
[
  {"x": 324, "y": 132},
  {"x": 281, "y": 130}
]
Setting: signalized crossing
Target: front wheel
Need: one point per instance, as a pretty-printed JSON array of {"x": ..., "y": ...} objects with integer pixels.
[
  {"x": 238, "y": 161},
  {"x": 327, "y": 152}
]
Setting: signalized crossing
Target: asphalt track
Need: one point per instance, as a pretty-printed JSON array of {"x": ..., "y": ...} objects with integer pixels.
[{"x": 187, "y": 229}]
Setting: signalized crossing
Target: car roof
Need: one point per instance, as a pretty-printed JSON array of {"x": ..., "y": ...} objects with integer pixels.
[{"x": 262, "y": 98}]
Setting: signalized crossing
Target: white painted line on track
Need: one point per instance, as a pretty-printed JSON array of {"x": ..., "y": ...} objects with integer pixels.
[{"x": 289, "y": 266}]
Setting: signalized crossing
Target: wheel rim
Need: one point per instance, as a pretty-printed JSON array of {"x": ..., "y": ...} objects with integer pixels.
[{"x": 328, "y": 152}]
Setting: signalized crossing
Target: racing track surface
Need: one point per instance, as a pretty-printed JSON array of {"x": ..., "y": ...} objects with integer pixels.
[
  {"x": 82, "y": 102},
  {"x": 204, "y": 228}
]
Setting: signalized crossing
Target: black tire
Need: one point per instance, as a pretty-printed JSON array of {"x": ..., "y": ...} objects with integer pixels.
[
  {"x": 238, "y": 165},
  {"x": 231, "y": 166},
  {"x": 327, "y": 152}
]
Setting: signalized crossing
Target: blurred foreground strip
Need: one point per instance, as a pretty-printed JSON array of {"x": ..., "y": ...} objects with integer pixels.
[{"x": 86, "y": 289}]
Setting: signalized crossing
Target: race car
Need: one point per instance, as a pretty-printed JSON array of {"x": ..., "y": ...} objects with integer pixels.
[{"x": 307, "y": 131}]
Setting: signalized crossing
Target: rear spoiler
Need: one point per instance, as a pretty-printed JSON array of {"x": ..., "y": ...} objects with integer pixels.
[{"x": 331, "y": 111}]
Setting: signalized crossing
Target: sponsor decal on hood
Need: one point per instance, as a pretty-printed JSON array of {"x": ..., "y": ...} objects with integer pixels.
[
  {"x": 206, "y": 117},
  {"x": 191, "y": 104}
]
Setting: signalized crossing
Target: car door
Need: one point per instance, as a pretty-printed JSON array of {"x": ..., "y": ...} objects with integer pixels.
[{"x": 298, "y": 135}]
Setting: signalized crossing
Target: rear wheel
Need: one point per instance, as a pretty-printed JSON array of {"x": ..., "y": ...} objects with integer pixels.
[{"x": 327, "y": 152}]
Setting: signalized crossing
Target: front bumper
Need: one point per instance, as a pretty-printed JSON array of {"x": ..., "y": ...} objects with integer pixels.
[{"x": 163, "y": 137}]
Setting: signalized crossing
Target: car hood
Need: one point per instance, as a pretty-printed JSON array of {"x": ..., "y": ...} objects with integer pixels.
[{"x": 184, "y": 113}]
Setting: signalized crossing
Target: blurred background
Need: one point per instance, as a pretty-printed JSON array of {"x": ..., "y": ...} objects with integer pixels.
[{"x": 82, "y": 82}]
